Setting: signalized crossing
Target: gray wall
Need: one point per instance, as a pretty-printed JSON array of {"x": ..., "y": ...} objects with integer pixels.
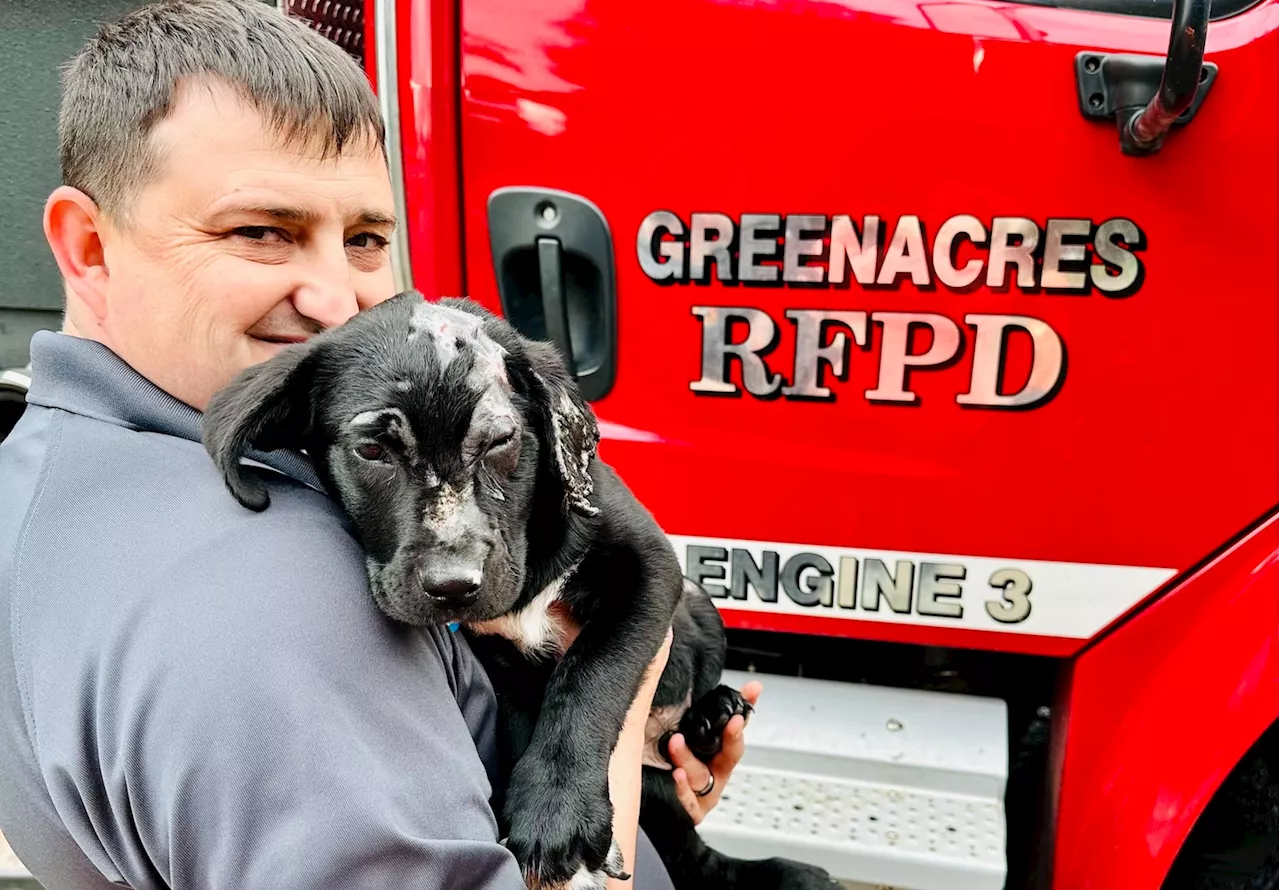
[{"x": 36, "y": 37}]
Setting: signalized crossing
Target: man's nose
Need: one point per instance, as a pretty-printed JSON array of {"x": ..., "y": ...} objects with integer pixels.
[{"x": 327, "y": 292}]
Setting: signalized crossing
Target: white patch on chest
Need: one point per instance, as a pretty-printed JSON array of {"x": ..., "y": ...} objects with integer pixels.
[
  {"x": 536, "y": 630},
  {"x": 583, "y": 879}
]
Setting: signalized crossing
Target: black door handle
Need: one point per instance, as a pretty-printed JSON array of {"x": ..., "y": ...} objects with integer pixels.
[
  {"x": 554, "y": 309},
  {"x": 553, "y": 257}
]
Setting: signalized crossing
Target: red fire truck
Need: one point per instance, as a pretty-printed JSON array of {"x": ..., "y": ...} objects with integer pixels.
[{"x": 941, "y": 337}]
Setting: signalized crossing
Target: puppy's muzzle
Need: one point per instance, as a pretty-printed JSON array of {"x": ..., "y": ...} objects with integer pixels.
[{"x": 451, "y": 582}]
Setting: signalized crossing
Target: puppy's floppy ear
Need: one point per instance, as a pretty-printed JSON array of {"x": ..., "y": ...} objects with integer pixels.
[
  {"x": 568, "y": 425},
  {"x": 266, "y": 406}
]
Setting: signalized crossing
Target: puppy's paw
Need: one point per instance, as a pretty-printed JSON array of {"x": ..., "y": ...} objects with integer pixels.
[
  {"x": 703, "y": 724},
  {"x": 801, "y": 876},
  {"x": 561, "y": 833}
]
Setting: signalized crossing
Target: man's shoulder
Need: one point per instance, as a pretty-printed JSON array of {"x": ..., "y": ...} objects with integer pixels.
[
  {"x": 135, "y": 558},
  {"x": 144, "y": 523},
  {"x": 169, "y": 487}
]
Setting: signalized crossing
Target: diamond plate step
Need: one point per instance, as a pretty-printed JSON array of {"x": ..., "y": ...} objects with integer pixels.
[{"x": 895, "y": 787}]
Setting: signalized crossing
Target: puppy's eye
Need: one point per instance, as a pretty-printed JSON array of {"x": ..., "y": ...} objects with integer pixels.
[
  {"x": 502, "y": 441},
  {"x": 371, "y": 451}
]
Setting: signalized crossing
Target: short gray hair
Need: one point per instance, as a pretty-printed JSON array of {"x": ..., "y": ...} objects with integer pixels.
[{"x": 124, "y": 80}]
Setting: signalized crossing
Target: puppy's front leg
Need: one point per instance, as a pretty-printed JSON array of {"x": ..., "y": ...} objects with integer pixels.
[{"x": 558, "y": 798}]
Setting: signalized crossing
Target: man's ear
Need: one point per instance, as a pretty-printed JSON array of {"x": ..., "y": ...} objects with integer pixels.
[
  {"x": 73, "y": 226},
  {"x": 567, "y": 424},
  {"x": 267, "y": 406}
]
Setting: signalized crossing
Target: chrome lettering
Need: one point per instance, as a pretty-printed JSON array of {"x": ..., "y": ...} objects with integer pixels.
[
  {"x": 810, "y": 351},
  {"x": 669, "y": 260},
  {"x": 763, "y": 577},
  {"x": 1130, "y": 273},
  {"x": 752, "y": 246},
  {"x": 822, "y": 354},
  {"x": 703, "y": 247},
  {"x": 1054, "y": 257},
  {"x": 848, "y": 575},
  {"x": 796, "y": 246},
  {"x": 1056, "y": 253},
  {"x": 1014, "y": 604},
  {"x": 944, "y": 244},
  {"x": 701, "y": 564},
  {"x": 895, "y": 358},
  {"x": 834, "y": 580},
  {"x": 762, "y": 335},
  {"x": 1048, "y": 361},
  {"x": 858, "y": 251},
  {"x": 1003, "y": 228},
  {"x": 905, "y": 254},
  {"x": 813, "y": 589},
  {"x": 894, "y": 588},
  {"x": 938, "y": 581}
]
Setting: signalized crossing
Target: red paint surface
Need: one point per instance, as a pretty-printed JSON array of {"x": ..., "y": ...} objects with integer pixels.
[
  {"x": 915, "y": 634},
  {"x": 370, "y": 45},
  {"x": 1159, "y": 712},
  {"x": 1168, "y": 410},
  {"x": 1160, "y": 445},
  {"x": 428, "y": 64}
]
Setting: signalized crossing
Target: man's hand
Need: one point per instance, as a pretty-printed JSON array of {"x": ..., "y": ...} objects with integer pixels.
[{"x": 690, "y": 773}]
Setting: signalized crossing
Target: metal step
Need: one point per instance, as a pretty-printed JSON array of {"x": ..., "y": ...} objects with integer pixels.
[{"x": 892, "y": 787}]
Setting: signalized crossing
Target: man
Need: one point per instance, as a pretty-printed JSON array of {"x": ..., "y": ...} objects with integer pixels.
[{"x": 195, "y": 695}]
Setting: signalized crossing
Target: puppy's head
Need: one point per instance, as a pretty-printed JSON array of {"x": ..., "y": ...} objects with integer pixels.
[{"x": 441, "y": 430}]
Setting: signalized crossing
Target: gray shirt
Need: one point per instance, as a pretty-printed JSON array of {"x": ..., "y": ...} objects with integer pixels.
[{"x": 198, "y": 696}]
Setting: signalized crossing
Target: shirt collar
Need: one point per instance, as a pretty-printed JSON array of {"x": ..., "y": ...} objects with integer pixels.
[{"x": 85, "y": 377}]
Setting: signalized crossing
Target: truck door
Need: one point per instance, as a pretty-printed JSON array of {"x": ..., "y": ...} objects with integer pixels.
[{"x": 878, "y": 320}]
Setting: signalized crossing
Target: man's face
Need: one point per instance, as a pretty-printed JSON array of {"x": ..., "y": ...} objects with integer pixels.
[{"x": 241, "y": 245}]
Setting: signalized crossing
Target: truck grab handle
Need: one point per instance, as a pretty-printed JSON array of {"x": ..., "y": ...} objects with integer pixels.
[
  {"x": 1148, "y": 95},
  {"x": 1146, "y": 129}
]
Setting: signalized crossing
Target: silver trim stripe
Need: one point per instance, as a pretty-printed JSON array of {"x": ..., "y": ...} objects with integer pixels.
[
  {"x": 384, "y": 27},
  {"x": 1066, "y": 600}
]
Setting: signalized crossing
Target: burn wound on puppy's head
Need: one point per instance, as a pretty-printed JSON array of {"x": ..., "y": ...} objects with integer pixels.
[
  {"x": 451, "y": 331},
  {"x": 444, "y": 510},
  {"x": 494, "y": 406}
]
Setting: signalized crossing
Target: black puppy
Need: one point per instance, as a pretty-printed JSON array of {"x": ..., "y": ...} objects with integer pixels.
[{"x": 465, "y": 457}]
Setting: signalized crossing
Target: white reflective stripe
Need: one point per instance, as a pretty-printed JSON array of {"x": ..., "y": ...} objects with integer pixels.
[
  {"x": 1024, "y": 596},
  {"x": 384, "y": 29}
]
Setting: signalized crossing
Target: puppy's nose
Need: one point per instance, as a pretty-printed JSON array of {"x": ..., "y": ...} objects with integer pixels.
[{"x": 457, "y": 587}]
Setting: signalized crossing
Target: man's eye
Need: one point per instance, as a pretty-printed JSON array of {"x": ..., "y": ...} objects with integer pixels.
[
  {"x": 367, "y": 241},
  {"x": 259, "y": 233},
  {"x": 371, "y": 451}
]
